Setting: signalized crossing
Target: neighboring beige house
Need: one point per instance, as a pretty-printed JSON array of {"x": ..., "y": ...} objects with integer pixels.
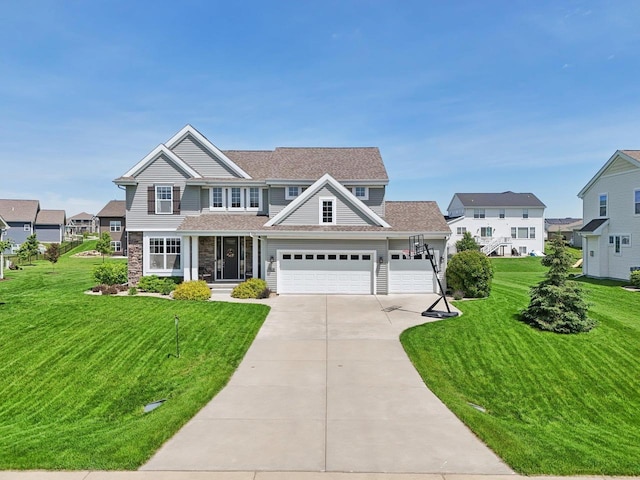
[
  {"x": 81, "y": 223},
  {"x": 112, "y": 220},
  {"x": 566, "y": 227},
  {"x": 611, "y": 213},
  {"x": 307, "y": 220}
]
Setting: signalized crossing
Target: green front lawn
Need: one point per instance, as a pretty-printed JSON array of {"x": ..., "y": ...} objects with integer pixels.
[
  {"x": 555, "y": 404},
  {"x": 76, "y": 370}
]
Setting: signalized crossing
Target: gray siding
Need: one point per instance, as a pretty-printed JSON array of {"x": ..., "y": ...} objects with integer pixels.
[
  {"x": 162, "y": 171},
  {"x": 309, "y": 212},
  {"x": 379, "y": 246},
  {"x": 16, "y": 232},
  {"x": 376, "y": 199},
  {"x": 276, "y": 200},
  {"x": 48, "y": 233},
  {"x": 192, "y": 152}
]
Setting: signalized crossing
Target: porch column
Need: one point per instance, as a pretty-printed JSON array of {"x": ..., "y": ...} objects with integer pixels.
[
  {"x": 186, "y": 241},
  {"x": 194, "y": 258},
  {"x": 254, "y": 253}
]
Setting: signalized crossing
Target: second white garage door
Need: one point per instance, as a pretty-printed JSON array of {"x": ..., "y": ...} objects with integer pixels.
[
  {"x": 325, "y": 272},
  {"x": 410, "y": 275}
]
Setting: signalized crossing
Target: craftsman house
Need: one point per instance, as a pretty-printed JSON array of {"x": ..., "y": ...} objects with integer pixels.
[
  {"x": 506, "y": 223},
  {"x": 611, "y": 213},
  {"x": 307, "y": 220}
]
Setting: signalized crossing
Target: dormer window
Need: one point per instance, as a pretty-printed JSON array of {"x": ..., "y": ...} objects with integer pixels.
[
  {"x": 236, "y": 198},
  {"x": 292, "y": 192},
  {"x": 361, "y": 193},
  {"x": 327, "y": 211}
]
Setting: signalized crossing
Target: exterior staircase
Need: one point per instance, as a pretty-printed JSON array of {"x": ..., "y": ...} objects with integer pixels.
[
  {"x": 222, "y": 288},
  {"x": 493, "y": 245}
]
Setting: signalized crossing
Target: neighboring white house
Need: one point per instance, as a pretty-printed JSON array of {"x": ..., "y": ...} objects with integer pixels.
[
  {"x": 611, "y": 213},
  {"x": 504, "y": 223}
]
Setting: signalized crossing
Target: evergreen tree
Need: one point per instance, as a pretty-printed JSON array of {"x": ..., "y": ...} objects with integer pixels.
[
  {"x": 104, "y": 245},
  {"x": 467, "y": 243},
  {"x": 557, "y": 305}
]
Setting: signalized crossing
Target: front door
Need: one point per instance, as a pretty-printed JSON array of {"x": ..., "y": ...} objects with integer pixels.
[{"x": 230, "y": 258}]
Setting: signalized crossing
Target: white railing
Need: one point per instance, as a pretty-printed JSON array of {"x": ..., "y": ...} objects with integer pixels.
[{"x": 493, "y": 245}]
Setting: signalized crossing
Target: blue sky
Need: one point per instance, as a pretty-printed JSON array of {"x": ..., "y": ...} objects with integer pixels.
[{"x": 460, "y": 96}]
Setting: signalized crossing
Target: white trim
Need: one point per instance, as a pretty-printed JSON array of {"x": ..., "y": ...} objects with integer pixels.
[
  {"x": 248, "y": 207},
  {"x": 313, "y": 189},
  {"x": 280, "y": 182},
  {"x": 118, "y": 227},
  {"x": 223, "y": 192},
  {"x": 189, "y": 130},
  {"x": 157, "y": 202},
  {"x": 366, "y": 192},
  {"x": 606, "y": 205},
  {"x": 195, "y": 266},
  {"x": 288, "y": 196},
  {"x": 154, "y": 154},
  {"x": 186, "y": 251},
  {"x": 146, "y": 264},
  {"x": 230, "y": 206},
  {"x": 334, "y": 216},
  {"x": 612, "y": 159}
]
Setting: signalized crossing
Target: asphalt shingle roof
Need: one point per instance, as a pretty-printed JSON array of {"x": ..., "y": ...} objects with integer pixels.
[
  {"x": 504, "y": 199},
  {"x": 632, "y": 153},
  {"x": 593, "y": 225},
  {"x": 82, "y": 216},
  {"x": 19, "y": 210},
  {"x": 51, "y": 217},
  {"x": 115, "y": 208}
]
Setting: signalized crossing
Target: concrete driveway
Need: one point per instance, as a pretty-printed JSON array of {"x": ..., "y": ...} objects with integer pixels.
[{"x": 326, "y": 386}]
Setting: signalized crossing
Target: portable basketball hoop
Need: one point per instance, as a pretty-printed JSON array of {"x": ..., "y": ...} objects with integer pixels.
[{"x": 418, "y": 247}]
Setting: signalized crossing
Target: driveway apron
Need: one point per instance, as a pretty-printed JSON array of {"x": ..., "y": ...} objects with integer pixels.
[{"x": 327, "y": 386}]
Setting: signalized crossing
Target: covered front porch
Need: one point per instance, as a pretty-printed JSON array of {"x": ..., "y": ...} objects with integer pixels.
[{"x": 221, "y": 258}]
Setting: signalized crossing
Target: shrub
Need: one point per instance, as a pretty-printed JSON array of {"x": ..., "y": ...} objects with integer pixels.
[
  {"x": 133, "y": 291},
  {"x": 467, "y": 243},
  {"x": 111, "y": 273},
  {"x": 193, "y": 290},
  {"x": 252, "y": 288},
  {"x": 635, "y": 278},
  {"x": 470, "y": 272},
  {"x": 155, "y": 284},
  {"x": 458, "y": 295}
]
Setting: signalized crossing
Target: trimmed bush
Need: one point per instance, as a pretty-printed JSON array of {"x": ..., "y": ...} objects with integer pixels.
[
  {"x": 155, "y": 284},
  {"x": 112, "y": 273},
  {"x": 194, "y": 290},
  {"x": 635, "y": 278},
  {"x": 252, "y": 288},
  {"x": 470, "y": 272}
]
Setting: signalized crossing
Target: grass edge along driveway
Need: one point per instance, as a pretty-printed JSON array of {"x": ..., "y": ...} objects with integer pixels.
[
  {"x": 78, "y": 369},
  {"x": 555, "y": 404}
]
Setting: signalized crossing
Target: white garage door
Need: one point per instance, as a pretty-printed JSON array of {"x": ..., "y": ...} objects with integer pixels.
[
  {"x": 410, "y": 275},
  {"x": 325, "y": 272}
]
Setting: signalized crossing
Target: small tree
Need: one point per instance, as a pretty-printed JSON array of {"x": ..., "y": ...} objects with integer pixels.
[
  {"x": 52, "y": 254},
  {"x": 556, "y": 304},
  {"x": 29, "y": 248},
  {"x": 104, "y": 245},
  {"x": 467, "y": 243},
  {"x": 4, "y": 245},
  {"x": 470, "y": 272}
]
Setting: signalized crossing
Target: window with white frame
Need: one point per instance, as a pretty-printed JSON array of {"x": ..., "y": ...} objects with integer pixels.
[
  {"x": 514, "y": 232},
  {"x": 116, "y": 246},
  {"x": 501, "y": 213},
  {"x": 603, "y": 201},
  {"x": 362, "y": 193},
  {"x": 525, "y": 213},
  {"x": 164, "y": 199},
  {"x": 254, "y": 198},
  {"x": 461, "y": 230},
  {"x": 523, "y": 232},
  {"x": 486, "y": 231},
  {"x": 236, "y": 198},
  {"x": 636, "y": 201},
  {"x": 164, "y": 253},
  {"x": 291, "y": 192},
  {"x": 115, "y": 225},
  {"x": 217, "y": 198},
  {"x": 327, "y": 210},
  {"x": 478, "y": 213},
  {"x": 522, "y": 250},
  {"x": 532, "y": 232}
]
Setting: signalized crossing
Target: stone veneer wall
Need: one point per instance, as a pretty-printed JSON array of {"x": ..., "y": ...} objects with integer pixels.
[
  {"x": 206, "y": 257},
  {"x": 135, "y": 257}
]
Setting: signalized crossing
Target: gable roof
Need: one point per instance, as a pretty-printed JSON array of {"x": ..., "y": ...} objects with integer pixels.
[
  {"x": 631, "y": 156},
  {"x": 19, "y": 210},
  {"x": 326, "y": 179},
  {"x": 151, "y": 157},
  {"x": 82, "y": 216},
  {"x": 415, "y": 216},
  {"x": 504, "y": 199},
  {"x": 115, "y": 208},
  {"x": 210, "y": 147},
  {"x": 51, "y": 217},
  {"x": 3, "y": 225}
]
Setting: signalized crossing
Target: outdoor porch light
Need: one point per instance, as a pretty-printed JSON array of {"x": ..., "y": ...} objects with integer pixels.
[
  {"x": 271, "y": 260},
  {"x": 380, "y": 260}
]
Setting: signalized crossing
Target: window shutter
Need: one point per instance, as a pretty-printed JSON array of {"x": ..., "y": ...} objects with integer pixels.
[
  {"x": 151, "y": 200},
  {"x": 176, "y": 200}
]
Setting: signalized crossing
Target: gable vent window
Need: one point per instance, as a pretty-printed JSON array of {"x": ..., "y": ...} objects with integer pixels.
[{"x": 327, "y": 211}]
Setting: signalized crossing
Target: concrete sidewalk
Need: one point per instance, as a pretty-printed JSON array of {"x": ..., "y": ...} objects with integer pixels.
[{"x": 326, "y": 386}]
